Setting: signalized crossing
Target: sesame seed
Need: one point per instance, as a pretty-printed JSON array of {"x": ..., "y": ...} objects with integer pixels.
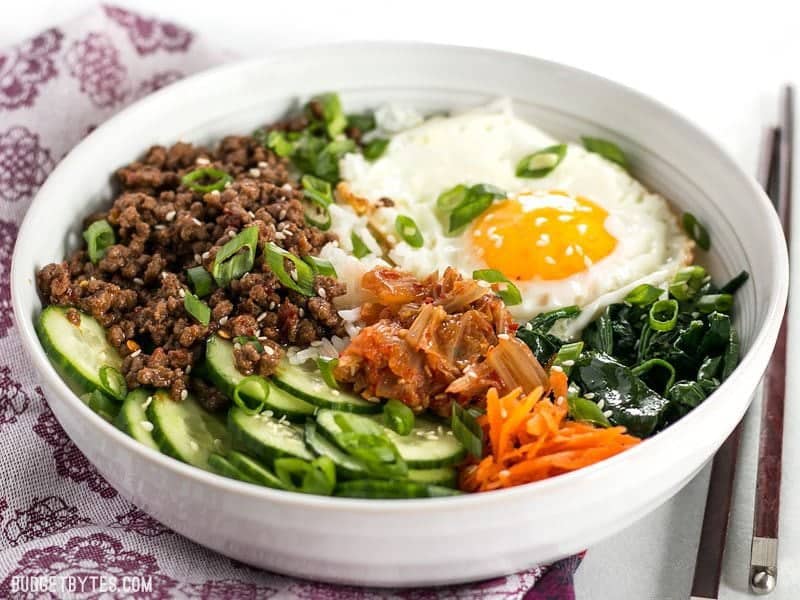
[
  {"x": 549, "y": 260},
  {"x": 322, "y": 293},
  {"x": 223, "y": 320},
  {"x": 170, "y": 215},
  {"x": 237, "y": 346},
  {"x": 227, "y": 185},
  {"x": 251, "y": 214},
  {"x": 269, "y": 349},
  {"x": 182, "y": 293},
  {"x": 557, "y": 368},
  {"x": 196, "y": 221},
  {"x": 231, "y": 234},
  {"x": 146, "y": 425},
  {"x": 293, "y": 274},
  {"x": 589, "y": 395},
  {"x": 202, "y": 160},
  {"x": 286, "y": 187},
  {"x": 255, "y": 173},
  {"x": 184, "y": 394},
  {"x": 136, "y": 353},
  {"x": 215, "y": 192},
  {"x": 568, "y": 363},
  {"x": 147, "y": 402},
  {"x": 205, "y": 255},
  {"x": 261, "y": 317},
  {"x": 138, "y": 281},
  {"x": 262, "y": 164},
  {"x": 188, "y": 369},
  {"x": 301, "y": 313},
  {"x": 163, "y": 274},
  {"x": 267, "y": 413},
  {"x": 601, "y": 403},
  {"x": 503, "y": 336},
  {"x": 160, "y": 227},
  {"x": 607, "y": 413},
  {"x": 282, "y": 214}
]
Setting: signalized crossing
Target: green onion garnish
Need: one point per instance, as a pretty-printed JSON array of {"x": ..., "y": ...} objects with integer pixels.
[
  {"x": 230, "y": 263},
  {"x": 648, "y": 365},
  {"x": 101, "y": 404},
  {"x": 407, "y": 229},
  {"x": 197, "y": 308},
  {"x": 251, "y": 393},
  {"x": 374, "y": 149},
  {"x": 217, "y": 180},
  {"x": 541, "y": 162},
  {"x": 478, "y": 198},
  {"x": 316, "y": 477},
  {"x": 643, "y": 294},
  {"x": 467, "y": 430},
  {"x": 695, "y": 230},
  {"x": 200, "y": 280},
  {"x": 364, "y": 122},
  {"x": 734, "y": 284},
  {"x": 731, "y": 357},
  {"x": 451, "y": 198},
  {"x": 99, "y": 236},
  {"x": 320, "y": 266},
  {"x": 113, "y": 383},
  {"x": 586, "y": 411},
  {"x": 608, "y": 150},
  {"x": 326, "y": 366},
  {"x": 715, "y": 302},
  {"x": 301, "y": 279},
  {"x": 320, "y": 196},
  {"x": 504, "y": 288},
  {"x": 567, "y": 355},
  {"x": 249, "y": 339},
  {"x": 664, "y": 315},
  {"x": 360, "y": 249},
  {"x": 280, "y": 144},
  {"x": 398, "y": 417},
  {"x": 687, "y": 282},
  {"x": 332, "y": 114}
]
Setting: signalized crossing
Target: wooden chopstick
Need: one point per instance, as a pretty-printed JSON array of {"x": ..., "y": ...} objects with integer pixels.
[
  {"x": 764, "y": 548},
  {"x": 710, "y": 552}
]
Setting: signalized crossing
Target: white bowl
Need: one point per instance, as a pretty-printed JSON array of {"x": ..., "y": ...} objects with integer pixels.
[{"x": 436, "y": 541}]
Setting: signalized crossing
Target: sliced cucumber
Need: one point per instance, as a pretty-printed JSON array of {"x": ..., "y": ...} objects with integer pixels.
[
  {"x": 347, "y": 466},
  {"x": 265, "y": 437},
  {"x": 101, "y": 404},
  {"x": 308, "y": 385},
  {"x": 254, "y": 471},
  {"x": 185, "y": 430},
  {"x": 222, "y": 371},
  {"x": 427, "y": 446},
  {"x": 132, "y": 418},
  {"x": 382, "y": 488},
  {"x": 78, "y": 352},
  {"x": 445, "y": 476},
  {"x": 222, "y": 466}
]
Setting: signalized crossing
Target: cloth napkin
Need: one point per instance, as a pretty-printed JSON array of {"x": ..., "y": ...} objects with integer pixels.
[{"x": 61, "y": 523}]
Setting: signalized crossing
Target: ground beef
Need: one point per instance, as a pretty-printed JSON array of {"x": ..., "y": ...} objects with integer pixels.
[{"x": 136, "y": 290}]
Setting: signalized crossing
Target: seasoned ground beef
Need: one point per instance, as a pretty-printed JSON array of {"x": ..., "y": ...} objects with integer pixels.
[{"x": 136, "y": 290}]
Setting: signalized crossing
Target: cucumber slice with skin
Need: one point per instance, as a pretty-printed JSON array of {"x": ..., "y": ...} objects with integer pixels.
[
  {"x": 254, "y": 471},
  {"x": 101, "y": 404},
  {"x": 265, "y": 437},
  {"x": 77, "y": 351},
  {"x": 222, "y": 371},
  {"x": 185, "y": 430},
  {"x": 132, "y": 417},
  {"x": 444, "y": 476},
  {"x": 222, "y": 466},
  {"x": 347, "y": 466},
  {"x": 308, "y": 385},
  {"x": 383, "y": 488},
  {"x": 427, "y": 446}
]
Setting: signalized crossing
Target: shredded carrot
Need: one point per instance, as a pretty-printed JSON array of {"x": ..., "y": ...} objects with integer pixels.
[{"x": 530, "y": 438}]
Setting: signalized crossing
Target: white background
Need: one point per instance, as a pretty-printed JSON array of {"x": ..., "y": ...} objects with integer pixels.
[{"x": 719, "y": 63}]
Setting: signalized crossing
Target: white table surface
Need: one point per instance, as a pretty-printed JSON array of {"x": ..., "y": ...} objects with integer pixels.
[{"x": 719, "y": 63}]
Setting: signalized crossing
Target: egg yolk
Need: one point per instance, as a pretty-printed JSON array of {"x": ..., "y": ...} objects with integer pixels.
[{"x": 542, "y": 242}]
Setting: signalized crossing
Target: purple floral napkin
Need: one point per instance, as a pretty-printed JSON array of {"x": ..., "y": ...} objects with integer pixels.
[{"x": 64, "y": 531}]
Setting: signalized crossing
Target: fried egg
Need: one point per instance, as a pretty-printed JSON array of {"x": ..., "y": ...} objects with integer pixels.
[{"x": 586, "y": 233}]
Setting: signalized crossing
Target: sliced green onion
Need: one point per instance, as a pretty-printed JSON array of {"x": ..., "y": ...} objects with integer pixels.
[
  {"x": 197, "y": 308},
  {"x": 375, "y": 148},
  {"x": 505, "y": 288},
  {"x": 479, "y": 197},
  {"x": 541, "y": 162},
  {"x": 316, "y": 477},
  {"x": 734, "y": 284},
  {"x": 687, "y": 282},
  {"x": 398, "y": 417},
  {"x": 320, "y": 266},
  {"x": 360, "y": 249},
  {"x": 251, "y": 393},
  {"x": 230, "y": 263},
  {"x": 326, "y": 367},
  {"x": 688, "y": 393},
  {"x": 567, "y": 355},
  {"x": 695, "y": 230},
  {"x": 648, "y": 365},
  {"x": 709, "y": 368},
  {"x": 608, "y": 150},
  {"x": 643, "y": 294},
  {"x": 318, "y": 188},
  {"x": 332, "y": 114},
  {"x": 664, "y": 315},
  {"x": 586, "y": 411},
  {"x": 113, "y": 383},
  {"x": 101, "y": 404},
  {"x": 715, "y": 302},
  {"x": 99, "y": 236},
  {"x": 451, "y": 198},
  {"x": 201, "y": 281},
  {"x": 249, "y": 339},
  {"x": 407, "y": 229},
  {"x": 217, "y": 180},
  {"x": 280, "y": 144},
  {"x": 363, "y": 122},
  {"x": 302, "y": 278},
  {"x": 731, "y": 356},
  {"x": 319, "y": 196},
  {"x": 467, "y": 430}
]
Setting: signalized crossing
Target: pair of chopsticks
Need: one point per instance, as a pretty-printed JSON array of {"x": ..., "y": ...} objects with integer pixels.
[{"x": 775, "y": 176}]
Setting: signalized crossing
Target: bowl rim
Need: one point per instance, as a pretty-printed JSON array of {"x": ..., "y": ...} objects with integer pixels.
[{"x": 764, "y": 338}]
